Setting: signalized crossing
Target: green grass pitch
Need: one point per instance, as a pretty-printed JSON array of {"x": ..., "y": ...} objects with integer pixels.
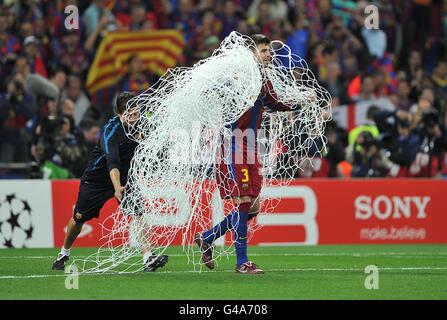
[{"x": 301, "y": 272}]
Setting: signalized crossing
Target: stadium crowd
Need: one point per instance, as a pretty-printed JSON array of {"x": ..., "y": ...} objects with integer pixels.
[{"x": 404, "y": 62}]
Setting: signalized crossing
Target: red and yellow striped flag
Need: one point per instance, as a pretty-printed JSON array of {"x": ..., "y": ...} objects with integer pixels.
[{"x": 159, "y": 51}]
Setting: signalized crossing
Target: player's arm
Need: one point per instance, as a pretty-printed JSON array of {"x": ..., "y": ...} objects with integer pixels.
[
  {"x": 115, "y": 177},
  {"x": 110, "y": 146},
  {"x": 270, "y": 100}
]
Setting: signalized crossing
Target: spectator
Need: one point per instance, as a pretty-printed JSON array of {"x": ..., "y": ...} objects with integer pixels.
[
  {"x": 343, "y": 9},
  {"x": 96, "y": 12},
  {"x": 401, "y": 143},
  {"x": 368, "y": 126},
  {"x": 388, "y": 17},
  {"x": 94, "y": 38},
  {"x": 426, "y": 101},
  {"x": 299, "y": 38},
  {"x": 414, "y": 64},
  {"x": 17, "y": 106},
  {"x": 367, "y": 90},
  {"x": 186, "y": 19},
  {"x": 26, "y": 30},
  {"x": 72, "y": 56},
  {"x": 22, "y": 67},
  {"x": 59, "y": 78},
  {"x": 138, "y": 18},
  {"x": 87, "y": 141},
  {"x": 264, "y": 21},
  {"x": 335, "y": 84},
  {"x": 366, "y": 157},
  {"x": 9, "y": 49},
  {"x": 439, "y": 78},
  {"x": 421, "y": 19},
  {"x": 345, "y": 41},
  {"x": 44, "y": 128},
  {"x": 433, "y": 143},
  {"x": 403, "y": 95},
  {"x": 68, "y": 109},
  {"x": 35, "y": 60},
  {"x": 63, "y": 153},
  {"x": 329, "y": 54},
  {"x": 137, "y": 79},
  {"x": 78, "y": 96},
  {"x": 205, "y": 5},
  {"x": 327, "y": 165},
  {"x": 90, "y": 133},
  {"x": 229, "y": 18},
  {"x": 354, "y": 64},
  {"x": 209, "y": 28}
]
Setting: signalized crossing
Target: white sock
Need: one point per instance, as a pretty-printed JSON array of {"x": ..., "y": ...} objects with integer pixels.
[
  {"x": 146, "y": 256},
  {"x": 65, "y": 252}
]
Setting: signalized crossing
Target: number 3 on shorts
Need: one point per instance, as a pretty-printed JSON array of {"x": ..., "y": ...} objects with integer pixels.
[{"x": 245, "y": 172}]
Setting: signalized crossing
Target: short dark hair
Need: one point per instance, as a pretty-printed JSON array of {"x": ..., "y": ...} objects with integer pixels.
[
  {"x": 372, "y": 110},
  {"x": 122, "y": 100},
  {"x": 328, "y": 48},
  {"x": 132, "y": 57},
  {"x": 365, "y": 76},
  {"x": 88, "y": 123},
  {"x": 73, "y": 77},
  {"x": 260, "y": 39},
  {"x": 53, "y": 72}
]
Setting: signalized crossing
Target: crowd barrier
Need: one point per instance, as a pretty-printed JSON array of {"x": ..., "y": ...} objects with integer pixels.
[{"x": 33, "y": 213}]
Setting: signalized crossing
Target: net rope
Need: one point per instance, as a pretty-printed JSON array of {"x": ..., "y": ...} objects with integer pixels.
[{"x": 183, "y": 121}]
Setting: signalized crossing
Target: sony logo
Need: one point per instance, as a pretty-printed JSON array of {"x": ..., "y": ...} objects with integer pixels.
[{"x": 384, "y": 207}]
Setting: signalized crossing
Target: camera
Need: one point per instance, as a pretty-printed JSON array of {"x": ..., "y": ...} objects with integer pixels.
[
  {"x": 368, "y": 140},
  {"x": 430, "y": 118},
  {"x": 17, "y": 94},
  {"x": 403, "y": 123},
  {"x": 18, "y": 85}
]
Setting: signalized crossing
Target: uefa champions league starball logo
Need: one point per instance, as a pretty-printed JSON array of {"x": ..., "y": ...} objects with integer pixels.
[{"x": 16, "y": 227}]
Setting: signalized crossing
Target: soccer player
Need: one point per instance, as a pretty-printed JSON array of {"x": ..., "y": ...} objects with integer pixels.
[
  {"x": 105, "y": 178},
  {"x": 238, "y": 177}
]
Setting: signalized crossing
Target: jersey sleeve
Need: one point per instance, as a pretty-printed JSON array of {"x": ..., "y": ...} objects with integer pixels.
[
  {"x": 110, "y": 145},
  {"x": 270, "y": 100}
]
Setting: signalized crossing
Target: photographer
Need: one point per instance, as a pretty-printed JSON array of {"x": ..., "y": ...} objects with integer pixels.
[
  {"x": 366, "y": 157},
  {"x": 60, "y": 153},
  {"x": 326, "y": 164},
  {"x": 17, "y": 106},
  {"x": 400, "y": 145},
  {"x": 46, "y": 122},
  {"x": 433, "y": 142}
]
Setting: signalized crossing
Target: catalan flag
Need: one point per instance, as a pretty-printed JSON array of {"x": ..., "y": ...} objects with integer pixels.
[{"x": 159, "y": 51}]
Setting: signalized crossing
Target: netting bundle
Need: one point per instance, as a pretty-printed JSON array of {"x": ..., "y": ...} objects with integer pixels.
[{"x": 171, "y": 193}]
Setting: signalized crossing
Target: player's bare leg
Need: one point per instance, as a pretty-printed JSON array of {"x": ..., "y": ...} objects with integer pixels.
[
  {"x": 73, "y": 230},
  {"x": 151, "y": 262}
]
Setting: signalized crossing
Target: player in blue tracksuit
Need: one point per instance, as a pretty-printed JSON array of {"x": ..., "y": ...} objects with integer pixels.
[{"x": 105, "y": 178}]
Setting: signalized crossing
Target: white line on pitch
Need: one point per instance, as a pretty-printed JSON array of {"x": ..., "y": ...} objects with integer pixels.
[
  {"x": 232, "y": 271},
  {"x": 348, "y": 254}
]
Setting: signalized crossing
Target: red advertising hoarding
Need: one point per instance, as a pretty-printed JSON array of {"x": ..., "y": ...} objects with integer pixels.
[{"x": 315, "y": 212}]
